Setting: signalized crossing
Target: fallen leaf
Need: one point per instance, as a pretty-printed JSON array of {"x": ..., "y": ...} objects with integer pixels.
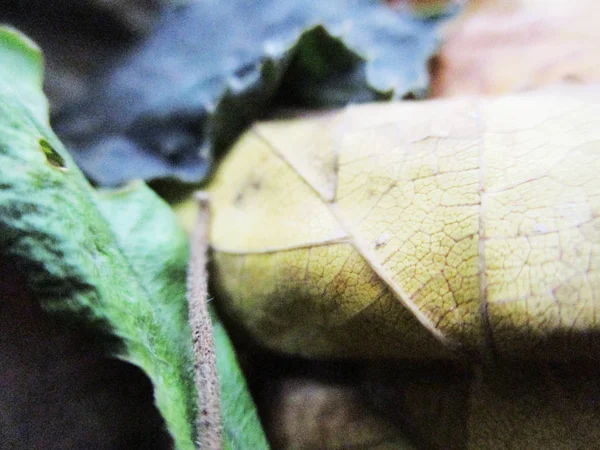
[
  {"x": 437, "y": 405},
  {"x": 113, "y": 262},
  {"x": 210, "y": 68},
  {"x": 500, "y": 406},
  {"x": 309, "y": 413},
  {"x": 420, "y": 230},
  {"x": 498, "y": 46},
  {"x": 530, "y": 406}
]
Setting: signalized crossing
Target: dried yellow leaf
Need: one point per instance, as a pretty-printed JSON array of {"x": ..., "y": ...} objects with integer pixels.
[
  {"x": 417, "y": 229},
  {"x": 498, "y": 46}
]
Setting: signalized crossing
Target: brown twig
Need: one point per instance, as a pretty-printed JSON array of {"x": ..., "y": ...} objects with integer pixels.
[{"x": 205, "y": 370}]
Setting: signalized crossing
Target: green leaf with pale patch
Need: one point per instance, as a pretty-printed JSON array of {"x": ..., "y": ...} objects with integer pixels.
[{"x": 113, "y": 260}]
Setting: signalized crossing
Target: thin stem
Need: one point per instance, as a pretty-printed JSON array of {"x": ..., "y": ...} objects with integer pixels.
[{"x": 205, "y": 370}]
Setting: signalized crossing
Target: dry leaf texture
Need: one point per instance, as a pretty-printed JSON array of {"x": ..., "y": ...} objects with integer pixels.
[
  {"x": 422, "y": 230},
  {"x": 499, "y": 46}
]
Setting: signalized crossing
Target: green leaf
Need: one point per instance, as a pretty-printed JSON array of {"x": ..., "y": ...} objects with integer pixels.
[
  {"x": 211, "y": 68},
  {"x": 115, "y": 261},
  {"x": 241, "y": 427},
  {"x": 22, "y": 67}
]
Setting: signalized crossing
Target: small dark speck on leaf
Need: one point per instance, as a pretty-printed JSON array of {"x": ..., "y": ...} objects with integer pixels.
[
  {"x": 239, "y": 198},
  {"x": 52, "y": 156}
]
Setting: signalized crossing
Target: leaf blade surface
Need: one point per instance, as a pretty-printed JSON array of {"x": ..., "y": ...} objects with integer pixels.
[
  {"x": 113, "y": 261},
  {"x": 208, "y": 70},
  {"x": 439, "y": 236}
]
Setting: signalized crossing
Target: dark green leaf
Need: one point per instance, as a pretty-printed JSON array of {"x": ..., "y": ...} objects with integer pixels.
[
  {"x": 212, "y": 67},
  {"x": 114, "y": 261},
  {"x": 241, "y": 427}
]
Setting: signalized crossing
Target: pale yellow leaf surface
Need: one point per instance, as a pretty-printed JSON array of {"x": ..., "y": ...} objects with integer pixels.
[
  {"x": 424, "y": 230},
  {"x": 502, "y": 46}
]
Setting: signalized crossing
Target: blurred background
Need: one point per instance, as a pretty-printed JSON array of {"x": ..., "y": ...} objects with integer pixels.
[{"x": 58, "y": 392}]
